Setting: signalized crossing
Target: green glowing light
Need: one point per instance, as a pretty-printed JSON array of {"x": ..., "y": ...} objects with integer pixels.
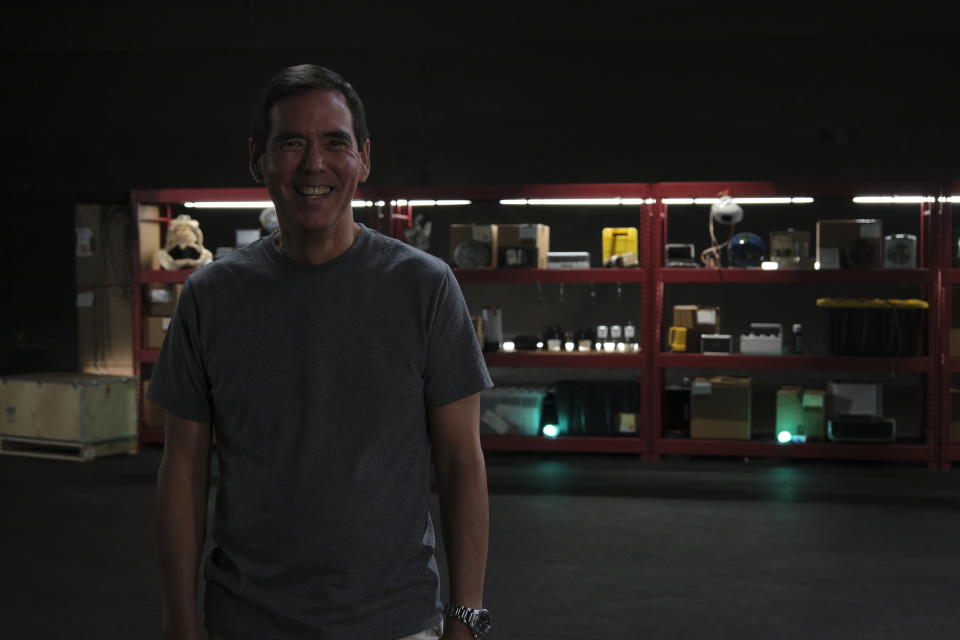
[
  {"x": 551, "y": 430},
  {"x": 784, "y": 437}
]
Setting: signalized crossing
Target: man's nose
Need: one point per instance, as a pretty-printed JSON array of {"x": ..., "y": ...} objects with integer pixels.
[{"x": 312, "y": 160}]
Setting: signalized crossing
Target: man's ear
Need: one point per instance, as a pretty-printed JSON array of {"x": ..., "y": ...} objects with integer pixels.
[
  {"x": 256, "y": 161},
  {"x": 365, "y": 161}
]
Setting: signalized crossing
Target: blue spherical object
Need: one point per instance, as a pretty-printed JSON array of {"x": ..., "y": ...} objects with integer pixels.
[{"x": 746, "y": 250}]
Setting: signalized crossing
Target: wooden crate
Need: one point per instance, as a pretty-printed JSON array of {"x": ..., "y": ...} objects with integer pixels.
[
  {"x": 73, "y": 415},
  {"x": 65, "y": 450}
]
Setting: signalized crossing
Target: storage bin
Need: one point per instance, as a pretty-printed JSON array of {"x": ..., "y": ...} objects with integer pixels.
[
  {"x": 875, "y": 326},
  {"x": 590, "y": 407},
  {"x": 511, "y": 410}
]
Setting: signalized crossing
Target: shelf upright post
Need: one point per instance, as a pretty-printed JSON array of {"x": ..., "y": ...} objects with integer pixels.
[
  {"x": 657, "y": 234},
  {"x": 930, "y": 255},
  {"x": 647, "y": 371},
  {"x": 135, "y": 304},
  {"x": 944, "y": 289}
]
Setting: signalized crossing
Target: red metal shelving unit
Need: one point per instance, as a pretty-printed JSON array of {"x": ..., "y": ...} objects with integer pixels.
[
  {"x": 826, "y": 276},
  {"x": 638, "y": 444},
  {"x": 799, "y": 363},
  {"x": 624, "y": 276},
  {"x": 949, "y": 365},
  {"x": 936, "y": 276},
  {"x": 927, "y": 276},
  {"x": 564, "y": 444},
  {"x": 590, "y": 360}
]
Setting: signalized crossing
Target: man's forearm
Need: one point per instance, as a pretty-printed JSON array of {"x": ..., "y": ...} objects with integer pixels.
[
  {"x": 180, "y": 528},
  {"x": 464, "y": 510}
]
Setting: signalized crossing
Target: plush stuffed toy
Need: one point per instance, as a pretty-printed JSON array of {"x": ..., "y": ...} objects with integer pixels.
[{"x": 184, "y": 248}]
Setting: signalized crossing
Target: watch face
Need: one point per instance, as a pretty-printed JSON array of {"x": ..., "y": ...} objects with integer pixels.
[{"x": 481, "y": 623}]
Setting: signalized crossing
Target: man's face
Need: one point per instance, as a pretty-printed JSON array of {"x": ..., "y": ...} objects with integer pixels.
[{"x": 311, "y": 164}]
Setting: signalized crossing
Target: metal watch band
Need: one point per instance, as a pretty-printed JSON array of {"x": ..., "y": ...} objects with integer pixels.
[{"x": 466, "y": 615}]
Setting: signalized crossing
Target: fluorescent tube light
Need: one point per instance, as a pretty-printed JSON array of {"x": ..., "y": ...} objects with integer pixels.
[
  {"x": 437, "y": 203},
  {"x": 428, "y": 203},
  {"x": 258, "y": 204},
  {"x": 904, "y": 199},
  {"x": 255, "y": 204},
  {"x": 893, "y": 199},
  {"x": 577, "y": 201},
  {"x": 766, "y": 200}
]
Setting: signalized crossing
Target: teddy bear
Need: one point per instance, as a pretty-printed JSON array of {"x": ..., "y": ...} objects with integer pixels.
[{"x": 184, "y": 248}]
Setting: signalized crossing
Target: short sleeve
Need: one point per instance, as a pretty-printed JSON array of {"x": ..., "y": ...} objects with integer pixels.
[
  {"x": 454, "y": 366},
  {"x": 180, "y": 383}
]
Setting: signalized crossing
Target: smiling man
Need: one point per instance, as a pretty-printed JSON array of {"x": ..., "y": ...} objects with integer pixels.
[{"x": 332, "y": 363}]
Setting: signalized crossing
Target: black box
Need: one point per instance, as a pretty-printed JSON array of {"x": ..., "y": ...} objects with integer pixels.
[{"x": 875, "y": 327}]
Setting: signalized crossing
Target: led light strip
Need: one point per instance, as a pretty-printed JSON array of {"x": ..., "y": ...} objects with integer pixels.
[
  {"x": 904, "y": 199},
  {"x": 578, "y": 201},
  {"x": 264, "y": 204},
  {"x": 784, "y": 200},
  {"x": 429, "y": 203}
]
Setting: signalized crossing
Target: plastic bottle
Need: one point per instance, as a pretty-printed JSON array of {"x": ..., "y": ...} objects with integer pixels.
[{"x": 797, "y": 339}]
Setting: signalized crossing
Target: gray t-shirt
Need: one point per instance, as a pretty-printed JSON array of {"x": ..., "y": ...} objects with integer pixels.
[{"x": 317, "y": 380}]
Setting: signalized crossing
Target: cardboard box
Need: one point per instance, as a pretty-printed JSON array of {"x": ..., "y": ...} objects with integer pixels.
[
  {"x": 955, "y": 341},
  {"x": 801, "y": 411},
  {"x": 526, "y": 235},
  {"x": 160, "y": 299},
  {"x": 154, "y": 331},
  {"x": 154, "y": 417},
  {"x": 105, "y": 330},
  {"x": 954, "y": 416},
  {"x": 840, "y": 241},
  {"x": 483, "y": 233},
  {"x": 720, "y": 408},
  {"x": 697, "y": 321},
  {"x": 103, "y": 244},
  {"x": 150, "y": 228},
  {"x": 68, "y": 406}
]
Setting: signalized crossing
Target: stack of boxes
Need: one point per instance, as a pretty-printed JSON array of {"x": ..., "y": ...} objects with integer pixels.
[
  {"x": 698, "y": 321},
  {"x": 103, "y": 274}
]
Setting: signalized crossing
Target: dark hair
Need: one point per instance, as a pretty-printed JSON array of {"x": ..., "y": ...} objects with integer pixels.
[{"x": 298, "y": 80}]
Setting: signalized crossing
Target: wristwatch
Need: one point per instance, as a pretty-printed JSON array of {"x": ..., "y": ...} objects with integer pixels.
[{"x": 477, "y": 620}]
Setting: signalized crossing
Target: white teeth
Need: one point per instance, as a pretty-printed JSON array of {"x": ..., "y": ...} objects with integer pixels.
[{"x": 314, "y": 191}]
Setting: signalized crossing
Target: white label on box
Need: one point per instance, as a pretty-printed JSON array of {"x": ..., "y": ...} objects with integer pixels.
[
  {"x": 84, "y": 242},
  {"x": 528, "y": 232},
  {"x": 626, "y": 423},
  {"x": 482, "y": 233},
  {"x": 84, "y": 299},
  {"x": 829, "y": 258},
  {"x": 244, "y": 237},
  {"x": 160, "y": 296},
  {"x": 165, "y": 323},
  {"x": 701, "y": 388},
  {"x": 706, "y": 316},
  {"x": 870, "y": 230}
]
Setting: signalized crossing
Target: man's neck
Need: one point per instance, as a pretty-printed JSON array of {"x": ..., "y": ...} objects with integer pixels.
[{"x": 313, "y": 248}]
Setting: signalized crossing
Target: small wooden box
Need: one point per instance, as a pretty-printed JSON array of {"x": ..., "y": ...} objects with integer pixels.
[{"x": 71, "y": 408}]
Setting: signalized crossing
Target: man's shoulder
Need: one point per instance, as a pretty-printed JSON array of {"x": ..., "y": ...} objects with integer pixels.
[
  {"x": 238, "y": 263},
  {"x": 396, "y": 254}
]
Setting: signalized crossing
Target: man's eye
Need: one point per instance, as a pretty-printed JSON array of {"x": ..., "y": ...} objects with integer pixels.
[
  {"x": 291, "y": 144},
  {"x": 336, "y": 143}
]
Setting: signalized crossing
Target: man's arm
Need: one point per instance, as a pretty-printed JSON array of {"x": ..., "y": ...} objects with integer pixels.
[
  {"x": 464, "y": 509},
  {"x": 181, "y": 519}
]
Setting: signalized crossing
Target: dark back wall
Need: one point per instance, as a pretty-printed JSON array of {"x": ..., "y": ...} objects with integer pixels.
[{"x": 104, "y": 100}]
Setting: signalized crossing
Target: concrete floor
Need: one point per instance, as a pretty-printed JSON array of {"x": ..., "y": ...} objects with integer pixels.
[{"x": 583, "y": 547}]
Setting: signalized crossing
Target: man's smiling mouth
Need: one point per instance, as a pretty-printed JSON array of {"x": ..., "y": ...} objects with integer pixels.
[{"x": 313, "y": 191}]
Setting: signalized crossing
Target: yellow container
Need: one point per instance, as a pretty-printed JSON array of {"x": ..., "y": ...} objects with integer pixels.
[{"x": 618, "y": 240}]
